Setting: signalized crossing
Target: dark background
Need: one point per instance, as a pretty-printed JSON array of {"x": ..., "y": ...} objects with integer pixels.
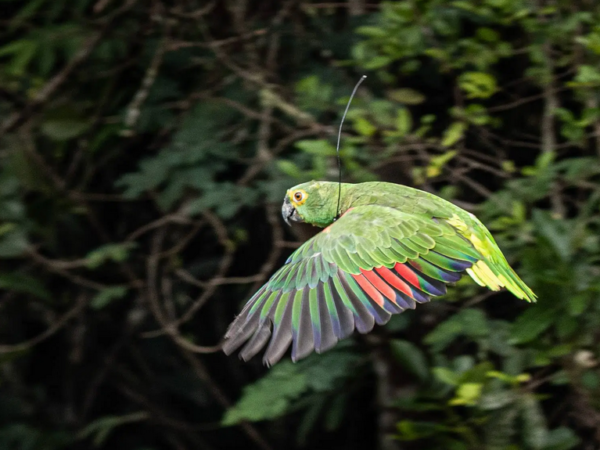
[{"x": 145, "y": 149}]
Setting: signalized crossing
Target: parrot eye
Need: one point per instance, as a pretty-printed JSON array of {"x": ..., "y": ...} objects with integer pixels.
[{"x": 299, "y": 196}]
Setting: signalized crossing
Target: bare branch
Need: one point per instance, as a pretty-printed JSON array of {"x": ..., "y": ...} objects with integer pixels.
[{"x": 55, "y": 327}]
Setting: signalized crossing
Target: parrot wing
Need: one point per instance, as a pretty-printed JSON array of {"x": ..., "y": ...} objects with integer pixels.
[{"x": 373, "y": 262}]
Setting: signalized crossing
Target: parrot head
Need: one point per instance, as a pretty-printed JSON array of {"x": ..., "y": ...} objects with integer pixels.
[{"x": 314, "y": 202}]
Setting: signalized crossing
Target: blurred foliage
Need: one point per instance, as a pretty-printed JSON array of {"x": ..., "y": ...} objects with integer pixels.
[{"x": 146, "y": 147}]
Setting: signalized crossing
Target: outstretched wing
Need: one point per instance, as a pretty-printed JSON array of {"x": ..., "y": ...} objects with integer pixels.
[{"x": 373, "y": 262}]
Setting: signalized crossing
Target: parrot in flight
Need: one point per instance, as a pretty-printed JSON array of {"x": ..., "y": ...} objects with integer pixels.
[{"x": 384, "y": 248}]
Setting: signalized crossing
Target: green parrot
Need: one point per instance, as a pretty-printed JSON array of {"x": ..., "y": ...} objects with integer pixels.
[{"x": 384, "y": 248}]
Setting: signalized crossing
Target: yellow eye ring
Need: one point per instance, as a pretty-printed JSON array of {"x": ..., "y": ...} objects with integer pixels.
[{"x": 298, "y": 197}]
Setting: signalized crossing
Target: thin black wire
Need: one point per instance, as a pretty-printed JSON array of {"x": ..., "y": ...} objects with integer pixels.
[{"x": 337, "y": 149}]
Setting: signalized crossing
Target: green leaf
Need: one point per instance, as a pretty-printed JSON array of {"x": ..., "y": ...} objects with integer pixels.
[
  {"x": 364, "y": 127},
  {"x": 321, "y": 147},
  {"x": 63, "y": 129},
  {"x": 25, "y": 284},
  {"x": 312, "y": 93},
  {"x": 500, "y": 428},
  {"x": 289, "y": 168},
  {"x": 444, "y": 334},
  {"x": 533, "y": 322},
  {"x": 325, "y": 374},
  {"x": 544, "y": 160},
  {"x": 107, "y": 295},
  {"x": 377, "y": 62},
  {"x": 406, "y": 96},
  {"x": 508, "y": 166},
  {"x": 454, "y": 133},
  {"x": 275, "y": 394},
  {"x": 269, "y": 397},
  {"x": 310, "y": 418},
  {"x": 509, "y": 379},
  {"x": 535, "y": 431},
  {"x": 22, "y": 51},
  {"x": 561, "y": 438},
  {"x": 557, "y": 232},
  {"x": 336, "y": 412},
  {"x": 467, "y": 394},
  {"x": 409, "y": 430},
  {"x": 411, "y": 358},
  {"x": 224, "y": 198},
  {"x": 397, "y": 323},
  {"x": 566, "y": 326},
  {"x": 29, "y": 10},
  {"x": 109, "y": 252},
  {"x": 404, "y": 121},
  {"x": 587, "y": 76},
  {"x": 7, "y": 227},
  {"x": 590, "y": 379},
  {"x": 477, "y": 84},
  {"x": 579, "y": 303},
  {"x": 496, "y": 400},
  {"x": 437, "y": 163},
  {"x": 13, "y": 244},
  {"x": 446, "y": 375},
  {"x": 487, "y": 34},
  {"x": 196, "y": 156},
  {"x": 471, "y": 322}
]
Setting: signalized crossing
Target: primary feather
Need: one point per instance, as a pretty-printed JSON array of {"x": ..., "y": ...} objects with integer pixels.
[{"x": 391, "y": 248}]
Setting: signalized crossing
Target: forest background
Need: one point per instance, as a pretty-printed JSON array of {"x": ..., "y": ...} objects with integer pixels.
[{"x": 145, "y": 150}]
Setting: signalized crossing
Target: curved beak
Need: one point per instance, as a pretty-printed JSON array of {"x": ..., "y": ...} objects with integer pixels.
[{"x": 288, "y": 212}]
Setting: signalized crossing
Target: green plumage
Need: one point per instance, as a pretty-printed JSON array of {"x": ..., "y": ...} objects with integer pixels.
[{"x": 391, "y": 247}]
